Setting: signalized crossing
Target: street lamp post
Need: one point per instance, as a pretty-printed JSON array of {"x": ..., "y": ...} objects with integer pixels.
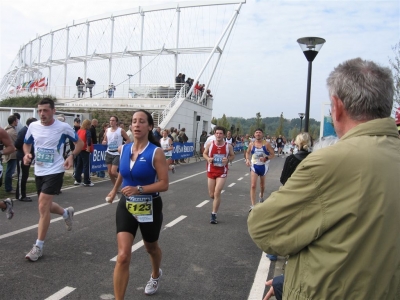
[
  {"x": 301, "y": 115},
  {"x": 129, "y": 85},
  {"x": 310, "y": 47}
]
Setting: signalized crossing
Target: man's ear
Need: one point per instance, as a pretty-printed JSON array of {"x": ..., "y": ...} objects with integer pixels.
[{"x": 337, "y": 108}]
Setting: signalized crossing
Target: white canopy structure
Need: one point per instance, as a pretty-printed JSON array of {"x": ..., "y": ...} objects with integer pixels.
[{"x": 140, "y": 51}]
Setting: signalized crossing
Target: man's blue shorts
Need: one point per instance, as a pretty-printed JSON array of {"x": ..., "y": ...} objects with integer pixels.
[{"x": 260, "y": 170}]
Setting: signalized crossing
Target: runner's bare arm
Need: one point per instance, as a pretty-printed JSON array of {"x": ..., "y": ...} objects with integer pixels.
[
  {"x": 231, "y": 155},
  {"x": 271, "y": 151},
  {"x": 205, "y": 154},
  {"x": 125, "y": 135}
]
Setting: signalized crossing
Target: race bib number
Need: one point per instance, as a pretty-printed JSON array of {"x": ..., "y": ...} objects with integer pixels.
[
  {"x": 217, "y": 160},
  {"x": 44, "y": 157},
  {"x": 113, "y": 146},
  {"x": 141, "y": 207}
]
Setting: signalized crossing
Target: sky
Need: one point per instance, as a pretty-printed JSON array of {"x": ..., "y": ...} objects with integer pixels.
[{"x": 263, "y": 69}]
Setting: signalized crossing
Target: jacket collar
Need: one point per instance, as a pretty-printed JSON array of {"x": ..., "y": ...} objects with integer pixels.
[{"x": 377, "y": 127}]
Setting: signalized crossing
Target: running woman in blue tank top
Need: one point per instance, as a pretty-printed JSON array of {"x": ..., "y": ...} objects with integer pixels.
[
  {"x": 258, "y": 156},
  {"x": 143, "y": 173}
]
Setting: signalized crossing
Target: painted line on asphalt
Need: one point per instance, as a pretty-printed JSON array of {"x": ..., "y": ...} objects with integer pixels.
[
  {"x": 258, "y": 287},
  {"x": 140, "y": 244},
  {"x": 3, "y": 236},
  {"x": 134, "y": 248},
  {"x": 232, "y": 184},
  {"x": 177, "y": 220},
  {"x": 203, "y": 203},
  {"x": 61, "y": 293},
  {"x": 222, "y": 191},
  {"x": 240, "y": 178}
]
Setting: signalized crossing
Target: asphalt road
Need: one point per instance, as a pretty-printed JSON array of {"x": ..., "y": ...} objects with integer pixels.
[{"x": 200, "y": 260}]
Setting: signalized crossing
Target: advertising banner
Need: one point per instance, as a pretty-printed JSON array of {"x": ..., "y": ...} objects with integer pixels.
[
  {"x": 238, "y": 147},
  {"x": 98, "y": 158},
  {"x": 182, "y": 150}
]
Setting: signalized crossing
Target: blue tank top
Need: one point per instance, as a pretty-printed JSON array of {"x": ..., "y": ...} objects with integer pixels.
[
  {"x": 257, "y": 153},
  {"x": 143, "y": 171}
]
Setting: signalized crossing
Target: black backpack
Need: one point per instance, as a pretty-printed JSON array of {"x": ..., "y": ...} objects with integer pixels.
[{"x": 290, "y": 166}]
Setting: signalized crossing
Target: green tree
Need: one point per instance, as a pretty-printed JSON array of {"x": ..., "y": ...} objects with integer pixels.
[
  {"x": 293, "y": 133},
  {"x": 395, "y": 64},
  {"x": 214, "y": 121},
  {"x": 279, "y": 130},
  {"x": 224, "y": 122}
]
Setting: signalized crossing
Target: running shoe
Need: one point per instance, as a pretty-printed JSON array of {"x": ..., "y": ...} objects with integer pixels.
[
  {"x": 77, "y": 183},
  {"x": 69, "y": 220},
  {"x": 173, "y": 169},
  {"x": 213, "y": 219},
  {"x": 260, "y": 199},
  {"x": 153, "y": 285},
  {"x": 34, "y": 254},
  {"x": 88, "y": 184},
  {"x": 272, "y": 257},
  {"x": 251, "y": 208},
  {"x": 26, "y": 199},
  {"x": 9, "y": 208}
]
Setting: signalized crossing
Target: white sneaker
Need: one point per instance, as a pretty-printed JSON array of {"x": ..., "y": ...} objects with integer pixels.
[
  {"x": 173, "y": 169},
  {"x": 88, "y": 184},
  {"x": 9, "y": 208},
  {"x": 77, "y": 183},
  {"x": 34, "y": 254},
  {"x": 153, "y": 285},
  {"x": 69, "y": 220}
]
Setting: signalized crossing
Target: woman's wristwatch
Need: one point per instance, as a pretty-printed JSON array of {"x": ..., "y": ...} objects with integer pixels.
[{"x": 140, "y": 189}]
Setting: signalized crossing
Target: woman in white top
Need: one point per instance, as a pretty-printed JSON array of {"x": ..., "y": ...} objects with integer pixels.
[{"x": 167, "y": 146}]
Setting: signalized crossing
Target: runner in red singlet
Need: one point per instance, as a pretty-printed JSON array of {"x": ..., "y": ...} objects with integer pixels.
[{"x": 217, "y": 154}]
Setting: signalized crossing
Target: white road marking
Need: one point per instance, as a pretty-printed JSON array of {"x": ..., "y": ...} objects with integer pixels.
[
  {"x": 232, "y": 184},
  {"x": 203, "y": 203},
  {"x": 222, "y": 191},
  {"x": 3, "y": 236},
  {"x": 240, "y": 178},
  {"x": 177, "y": 220},
  {"x": 61, "y": 293},
  {"x": 247, "y": 174},
  {"x": 258, "y": 287},
  {"x": 141, "y": 243},
  {"x": 134, "y": 248}
]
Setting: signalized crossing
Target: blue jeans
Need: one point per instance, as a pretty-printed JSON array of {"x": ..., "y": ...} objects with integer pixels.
[
  {"x": 82, "y": 164},
  {"x": 11, "y": 164}
]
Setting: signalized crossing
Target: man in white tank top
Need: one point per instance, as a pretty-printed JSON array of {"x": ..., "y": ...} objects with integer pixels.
[{"x": 113, "y": 138}]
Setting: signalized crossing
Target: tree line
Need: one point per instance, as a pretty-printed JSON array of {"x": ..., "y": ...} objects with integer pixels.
[{"x": 272, "y": 126}]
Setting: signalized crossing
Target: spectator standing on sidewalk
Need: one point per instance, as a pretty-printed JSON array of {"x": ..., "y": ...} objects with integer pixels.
[
  {"x": 7, "y": 204},
  {"x": 22, "y": 169},
  {"x": 10, "y": 159},
  {"x": 339, "y": 208},
  {"x": 83, "y": 158}
]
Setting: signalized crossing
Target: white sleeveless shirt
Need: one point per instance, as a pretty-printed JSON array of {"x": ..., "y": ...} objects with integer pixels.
[{"x": 114, "y": 140}]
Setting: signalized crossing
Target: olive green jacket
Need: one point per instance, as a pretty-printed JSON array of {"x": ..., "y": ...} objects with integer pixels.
[{"x": 338, "y": 217}]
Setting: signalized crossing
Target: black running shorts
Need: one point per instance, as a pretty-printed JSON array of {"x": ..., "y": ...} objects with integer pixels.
[
  {"x": 128, "y": 223},
  {"x": 49, "y": 184}
]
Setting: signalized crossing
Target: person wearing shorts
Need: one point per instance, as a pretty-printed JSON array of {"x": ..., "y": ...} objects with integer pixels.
[
  {"x": 280, "y": 143},
  {"x": 258, "y": 156},
  {"x": 49, "y": 135},
  {"x": 143, "y": 173},
  {"x": 113, "y": 138},
  {"x": 217, "y": 154},
  {"x": 167, "y": 146}
]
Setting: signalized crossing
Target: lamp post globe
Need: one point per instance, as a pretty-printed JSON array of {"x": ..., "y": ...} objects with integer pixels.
[
  {"x": 310, "y": 47},
  {"x": 301, "y": 116}
]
